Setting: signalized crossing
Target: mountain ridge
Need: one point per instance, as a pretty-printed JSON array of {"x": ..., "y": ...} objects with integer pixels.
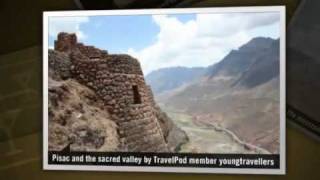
[
  {"x": 240, "y": 93},
  {"x": 169, "y": 78},
  {"x": 165, "y": 79}
]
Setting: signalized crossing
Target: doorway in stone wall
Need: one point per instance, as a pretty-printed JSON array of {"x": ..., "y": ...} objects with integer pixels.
[{"x": 136, "y": 95}]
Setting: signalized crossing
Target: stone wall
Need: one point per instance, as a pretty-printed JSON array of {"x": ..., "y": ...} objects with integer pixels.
[
  {"x": 118, "y": 80},
  {"x": 59, "y": 65},
  {"x": 137, "y": 123},
  {"x": 68, "y": 43},
  {"x": 65, "y": 42}
]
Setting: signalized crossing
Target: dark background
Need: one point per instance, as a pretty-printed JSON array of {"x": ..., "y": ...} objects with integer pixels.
[{"x": 21, "y": 97}]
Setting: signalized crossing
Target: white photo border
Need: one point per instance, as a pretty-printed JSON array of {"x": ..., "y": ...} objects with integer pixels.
[{"x": 252, "y": 9}]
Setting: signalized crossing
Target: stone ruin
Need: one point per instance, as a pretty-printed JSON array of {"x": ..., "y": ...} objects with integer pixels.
[{"x": 118, "y": 80}]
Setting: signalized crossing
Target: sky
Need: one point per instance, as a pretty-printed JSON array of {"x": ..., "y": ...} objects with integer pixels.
[{"x": 159, "y": 41}]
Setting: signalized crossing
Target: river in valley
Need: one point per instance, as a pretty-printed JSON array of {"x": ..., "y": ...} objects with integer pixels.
[{"x": 206, "y": 139}]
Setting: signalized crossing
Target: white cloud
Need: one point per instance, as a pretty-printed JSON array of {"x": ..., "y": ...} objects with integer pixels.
[
  {"x": 202, "y": 41},
  {"x": 67, "y": 24}
]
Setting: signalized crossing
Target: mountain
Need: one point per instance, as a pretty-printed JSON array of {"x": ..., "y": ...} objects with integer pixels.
[
  {"x": 240, "y": 93},
  {"x": 165, "y": 79},
  {"x": 265, "y": 68},
  {"x": 233, "y": 65},
  {"x": 237, "y": 61},
  {"x": 253, "y": 64}
]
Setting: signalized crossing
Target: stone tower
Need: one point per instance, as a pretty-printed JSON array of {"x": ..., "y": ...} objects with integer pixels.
[{"x": 119, "y": 81}]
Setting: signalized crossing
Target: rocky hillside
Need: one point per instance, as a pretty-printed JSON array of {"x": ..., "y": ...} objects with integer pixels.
[
  {"x": 100, "y": 102},
  {"x": 238, "y": 61},
  {"x": 78, "y": 119},
  {"x": 240, "y": 93}
]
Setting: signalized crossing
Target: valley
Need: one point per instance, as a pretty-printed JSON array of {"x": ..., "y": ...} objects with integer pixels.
[
  {"x": 204, "y": 138},
  {"x": 232, "y": 106}
]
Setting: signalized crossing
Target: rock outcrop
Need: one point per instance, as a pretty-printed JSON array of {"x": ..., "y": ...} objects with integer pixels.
[
  {"x": 78, "y": 119},
  {"x": 130, "y": 118}
]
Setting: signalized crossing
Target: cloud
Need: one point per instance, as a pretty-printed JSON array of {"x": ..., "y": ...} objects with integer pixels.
[
  {"x": 67, "y": 24},
  {"x": 228, "y": 24},
  {"x": 201, "y": 41}
]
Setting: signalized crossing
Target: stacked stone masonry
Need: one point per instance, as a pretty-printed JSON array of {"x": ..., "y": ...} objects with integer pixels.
[{"x": 119, "y": 81}]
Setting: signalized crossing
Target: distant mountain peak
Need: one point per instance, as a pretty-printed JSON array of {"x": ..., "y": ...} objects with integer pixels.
[
  {"x": 238, "y": 61},
  {"x": 169, "y": 78},
  {"x": 258, "y": 42},
  {"x": 233, "y": 65}
]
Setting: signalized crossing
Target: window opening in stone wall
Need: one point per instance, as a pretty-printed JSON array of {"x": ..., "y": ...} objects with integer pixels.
[
  {"x": 94, "y": 58},
  {"x": 136, "y": 95}
]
